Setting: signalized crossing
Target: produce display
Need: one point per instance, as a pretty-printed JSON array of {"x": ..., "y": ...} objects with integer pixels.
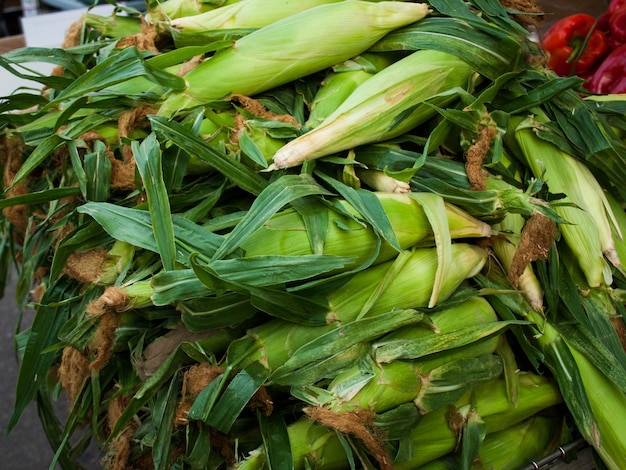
[
  {"x": 318, "y": 234},
  {"x": 592, "y": 48}
]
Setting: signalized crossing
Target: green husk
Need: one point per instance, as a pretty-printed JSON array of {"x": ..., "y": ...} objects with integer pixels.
[
  {"x": 385, "y": 106},
  {"x": 245, "y": 14},
  {"x": 339, "y": 30}
]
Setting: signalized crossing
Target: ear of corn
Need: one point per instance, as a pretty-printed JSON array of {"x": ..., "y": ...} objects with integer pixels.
[
  {"x": 340, "y": 30},
  {"x": 458, "y": 320},
  {"x": 171, "y": 9},
  {"x": 505, "y": 248},
  {"x": 432, "y": 437},
  {"x": 385, "y": 106},
  {"x": 233, "y": 297},
  {"x": 339, "y": 84},
  {"x": 513, "y": 447},
  {"x": 286, "y": 232},
  {"x": 407, "y": 283},
  {"x": 588, "y": 231},
  {"x": 245, "y": 14}
]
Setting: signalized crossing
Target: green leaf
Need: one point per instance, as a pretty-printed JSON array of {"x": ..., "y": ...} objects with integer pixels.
[
  {"x": 148, "y": 158},
  {"x": 325, "y": 368},
  {"x": 442, "y": 342},
  {"x": 149, "y": 389},
  {"x": 38, "y": 156},
  {"x": 369, "y": 207},
  {"x": 39, "y": 197},
  {"x": 488, "y": 50},
  {"x": 315, "y": 217},
  {"x": 474, "y": 433},
  {"x": 275, "y": 441},
  {"x": 43, "y": 334},
  {"x": 134, "y": 226},
  {"x": 98, "y": 169},
  {"x": 163, "y": 414},
  {"x": 77, "y": 167},
  {"x": 172, "y": 286},
  {"x": 338, "y": 339},
  {"x": 236, "y": 396},
  {"x": 279, "y": 193},
  {"x": 241, "y": 175},
  {"x": 220, "y": 311},
  {"x": 309, "y": 310},
  {"x": 206, "y": 399},
  {"x": 275, "y": 270},
  {"x": 251, "y": 149},
  {"x": 540, "y": 94},
  {"x": 116, "y": 69},
  {"x": 54, "y": 56},
  {"x": 560, "y": 361},
  {"x": 46, "y": 80},
  {"x": 435, "y": 211}
]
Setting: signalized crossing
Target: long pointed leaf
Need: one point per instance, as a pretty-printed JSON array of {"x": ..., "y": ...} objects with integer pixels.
[
  {"x": 435, "y": 211},
  {"x": 148, "y": 158},
  {"x": 241, "y": 175},
  {"x": 271, "y": 200}
]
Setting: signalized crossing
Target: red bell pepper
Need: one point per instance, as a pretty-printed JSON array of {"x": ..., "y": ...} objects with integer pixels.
[
  {"x": 610, "y": 77},
  {"x": 617, "y": 23},
  {"x": 574, "y": 45},
  {"x": 616, "y": 4}
]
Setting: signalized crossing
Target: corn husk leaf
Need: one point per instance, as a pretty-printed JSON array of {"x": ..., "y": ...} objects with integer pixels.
[
  {"x": 241, "y": 175},
  {"x": 276, "y": 195},
  {"x": 236, "y": 395},
  {"x": 345, "y": 336},
  {"x": 148, "y": 159},
  {"x": 275, "y": 440},
  {"x": 488, "y": 50}
]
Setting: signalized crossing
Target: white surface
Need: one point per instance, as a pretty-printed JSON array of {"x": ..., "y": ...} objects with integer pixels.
[{"x": 47, "y": 30}]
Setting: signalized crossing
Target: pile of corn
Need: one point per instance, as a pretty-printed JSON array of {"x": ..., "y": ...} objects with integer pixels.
[{"x": 311, "y": 234}]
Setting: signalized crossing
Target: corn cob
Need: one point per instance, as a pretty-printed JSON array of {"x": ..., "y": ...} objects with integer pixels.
[
  {"x": 432, "y": 438},
  {"x": 339, "y": 84},
  {"x": 286, "y": 234},
  {"x": 245, "y": 14},
  {"x": 339, "y": 30},
  {"x": 413, "y": 380},
  {"x": 588, "y": 232},
  {"x": 505, "y": 248},
  {"x": 511, "y": 448},
  {"x": 387, "y": 105},
  {"x": 407, "y": 284}
]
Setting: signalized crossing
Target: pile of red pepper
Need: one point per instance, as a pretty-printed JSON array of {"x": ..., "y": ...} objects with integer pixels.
[{"x": 592, "y": 48}]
